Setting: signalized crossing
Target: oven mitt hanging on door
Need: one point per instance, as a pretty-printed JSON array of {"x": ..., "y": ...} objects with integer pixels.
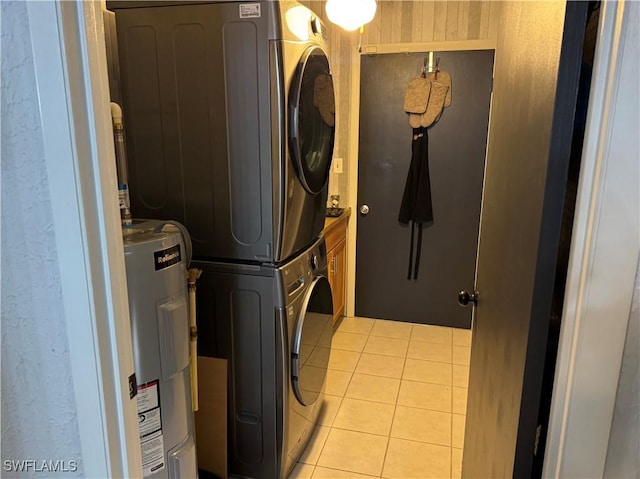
[
  {"x": 414, "y": 119},
  {"x": 416, "y": 99},
  {"x": 436, "y": 104},
  {"x": 439, "y": 99},
  {"x": 324, "y": 99},
  {"x": 443, "y": 78}
]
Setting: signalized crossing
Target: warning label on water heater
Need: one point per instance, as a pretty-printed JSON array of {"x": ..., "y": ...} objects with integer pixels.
[
  {"x": 250, "y": 10},
  {"x": 150, "y": 425}
]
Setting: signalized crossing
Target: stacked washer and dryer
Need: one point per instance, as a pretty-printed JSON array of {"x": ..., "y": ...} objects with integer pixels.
[{"x": 230, "y": 117}]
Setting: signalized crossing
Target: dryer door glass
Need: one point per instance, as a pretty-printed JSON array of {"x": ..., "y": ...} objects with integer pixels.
[
  {"x": 312, "y": 120},
  {"x": 312, "y": 342}
]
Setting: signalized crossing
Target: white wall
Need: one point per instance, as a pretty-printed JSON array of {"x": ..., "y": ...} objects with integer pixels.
[
  {"x": 622, "y": 460},
  {"x": 39, "y": 418},
  {"x": 624, "y": 441}
]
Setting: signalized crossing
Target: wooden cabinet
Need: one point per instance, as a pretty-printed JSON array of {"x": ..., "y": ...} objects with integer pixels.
[
  {"x": 335, "y": 232},
  {"x": 337, "y": 277}
]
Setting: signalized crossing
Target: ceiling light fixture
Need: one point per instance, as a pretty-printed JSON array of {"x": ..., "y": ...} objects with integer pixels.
[{"x": 351, "y": 14}]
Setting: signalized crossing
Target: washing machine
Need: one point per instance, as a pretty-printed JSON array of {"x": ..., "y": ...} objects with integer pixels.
[
  {"x": 230, "y": 116},
  {"x": 274, "y": 326}
]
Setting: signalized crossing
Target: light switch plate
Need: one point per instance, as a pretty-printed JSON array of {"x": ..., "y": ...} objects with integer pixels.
[{"x": 337, "y": 165}]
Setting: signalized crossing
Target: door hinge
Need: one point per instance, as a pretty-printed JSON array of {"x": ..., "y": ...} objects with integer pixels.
[{"x": 535, "y": 445}]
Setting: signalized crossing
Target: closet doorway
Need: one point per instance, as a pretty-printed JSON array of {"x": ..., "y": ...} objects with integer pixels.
[{"x": 456, "y": 159}]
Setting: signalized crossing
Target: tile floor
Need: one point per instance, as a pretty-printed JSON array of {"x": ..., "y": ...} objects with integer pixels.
[{"x": 395, "y": 403}]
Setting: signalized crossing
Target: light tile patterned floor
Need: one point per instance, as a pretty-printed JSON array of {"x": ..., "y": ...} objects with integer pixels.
[{"x": 395, "y": 403}]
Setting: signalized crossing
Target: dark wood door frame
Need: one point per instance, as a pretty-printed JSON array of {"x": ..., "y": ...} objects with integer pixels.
[
  {"x": 511, "y": 328},
  {"x": 554, "y": 195}
]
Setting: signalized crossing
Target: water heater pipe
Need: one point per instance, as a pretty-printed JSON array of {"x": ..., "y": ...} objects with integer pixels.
[
  {"x": 192, "y": 276},
  {"x": 121, "y": 163}
]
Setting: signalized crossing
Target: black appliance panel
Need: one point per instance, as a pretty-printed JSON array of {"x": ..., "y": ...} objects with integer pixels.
[
  {"x": 248, "y": 314},
  {"x": 205, "y": 97},
  {"x": 196, "y": 94},
  {"x": 237, "y": 321}
]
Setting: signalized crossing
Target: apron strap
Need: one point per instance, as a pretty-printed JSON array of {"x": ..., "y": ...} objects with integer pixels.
[
  {"x": 418, "y": 250},
  {"x": 411, "y": 251},
  {"x": 414, "y": 265}
]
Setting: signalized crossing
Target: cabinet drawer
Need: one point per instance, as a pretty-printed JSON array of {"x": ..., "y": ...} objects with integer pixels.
[
  {"x": 335, "y": 229},
  {"x": 336, "y": 234}
]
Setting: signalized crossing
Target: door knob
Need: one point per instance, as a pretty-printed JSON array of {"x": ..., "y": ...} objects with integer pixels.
[
  {"x": 364, "y": 210},
  {"x": 464, "y": 298}
]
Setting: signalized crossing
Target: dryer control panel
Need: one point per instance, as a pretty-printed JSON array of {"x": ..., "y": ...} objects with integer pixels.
[{"x": 300, "y": 272}]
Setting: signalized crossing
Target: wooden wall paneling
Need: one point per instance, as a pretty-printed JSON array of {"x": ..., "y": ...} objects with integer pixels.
[
  {"x": 417, "y": 21},
  {"x": 494, "y": 19},
  {"x": 346, "y": 42},
  {"x": 338, "y": 72},
  {"x": 318, "y": 8},
  {"x": 428, "y": 15},
  {"x": 485, "y": 15},
  {"x": 423, "y": 21},
  {"x": 372, "y": 30},
  {"x": 406, "y": 25},
  {"x": 396, "y": 21},
  {"x": 337, "y": 68},
  {"x": 386, "y": 21},
  {"x": 463, "y": 20},
  {"x": 340, "y": 62},
  {"x": 474, "y": 20},
  {"x": 340, "y": 43},
  {"x": 439, "y": 21},
  {"x": 451, "y": 32}
]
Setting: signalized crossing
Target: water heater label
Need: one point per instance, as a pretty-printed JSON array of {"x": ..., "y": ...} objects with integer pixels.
[
  {"x": 152, "y": 454},
  {"x": 167, "y": 257},
  {"x": 150, "y": 427},
  {"x": 148, "y": 396},
  {"x": 149, "y": 422},
  {"x": 250, "y": 10}
]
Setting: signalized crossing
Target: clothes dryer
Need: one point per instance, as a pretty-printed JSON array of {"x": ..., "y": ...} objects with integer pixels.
[
  {"x": 274, "y": 326},
  {"x": 230, "y": 116}
]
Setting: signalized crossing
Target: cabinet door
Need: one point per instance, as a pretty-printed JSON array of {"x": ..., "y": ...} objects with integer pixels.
[
  {"x": 331, "y": 274},
  {"x": 337, "y": 278}
]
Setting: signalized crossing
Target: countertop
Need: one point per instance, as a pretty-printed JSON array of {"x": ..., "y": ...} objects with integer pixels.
[{"x": 333, "y": 222}]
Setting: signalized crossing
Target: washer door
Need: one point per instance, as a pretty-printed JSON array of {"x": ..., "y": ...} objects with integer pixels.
[
  {"x": 312, "y": 342},
  {"x": 312, "y": 118}
]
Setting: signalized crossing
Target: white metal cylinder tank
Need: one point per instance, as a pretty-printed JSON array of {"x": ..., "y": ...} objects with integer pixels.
[{"x": 156, "y": 258}]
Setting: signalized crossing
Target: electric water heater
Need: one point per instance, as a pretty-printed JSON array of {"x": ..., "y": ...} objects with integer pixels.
[{"x": 156, "y": 258}]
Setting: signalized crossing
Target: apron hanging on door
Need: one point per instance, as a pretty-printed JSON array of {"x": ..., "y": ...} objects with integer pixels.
[
  {"x": 416, "y": 207},
  {"x": 425, "y": 100}
]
